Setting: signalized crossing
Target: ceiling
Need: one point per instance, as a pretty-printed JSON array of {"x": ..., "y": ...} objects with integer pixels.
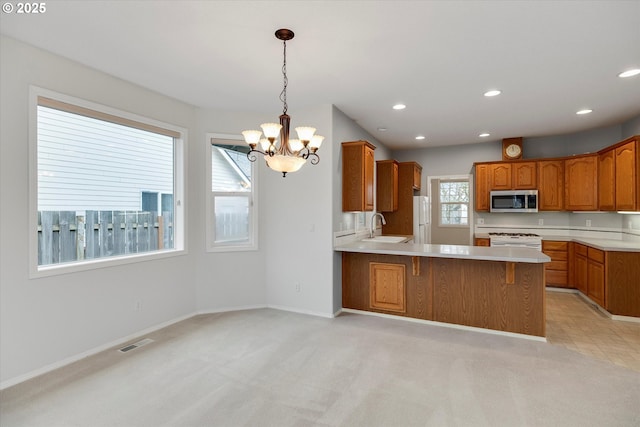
[{"x": 549, "y": 59}]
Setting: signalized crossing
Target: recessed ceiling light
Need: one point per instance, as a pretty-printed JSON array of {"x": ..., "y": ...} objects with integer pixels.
[
  {"x": 493, "y": 92},
  {"x": 585, "y": 111},
  {"x": 420, "y": 137},
  {"x": 484, "y": 135},
  {"x": 399, "y": 107},
  {"x": 630, "y": 73},
  {"x": 381, "y": 129}
]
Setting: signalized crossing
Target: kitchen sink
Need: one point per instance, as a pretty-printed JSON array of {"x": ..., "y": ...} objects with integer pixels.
[{"x": 386, "y": 239}]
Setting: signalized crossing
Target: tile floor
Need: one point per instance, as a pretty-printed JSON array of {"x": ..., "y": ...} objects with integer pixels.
[{"x": 574, "y": 323}]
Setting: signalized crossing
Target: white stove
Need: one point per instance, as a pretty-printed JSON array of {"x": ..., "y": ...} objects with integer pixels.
[{"x": 518, "y": 240}]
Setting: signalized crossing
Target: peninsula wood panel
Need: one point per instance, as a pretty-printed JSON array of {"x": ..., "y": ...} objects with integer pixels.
[
  {"x": 356, "y": 279},
  {"x": 475, "y": 293},
  {"x": 387, "y": 286},
  {"x": 623, "y": 283}
]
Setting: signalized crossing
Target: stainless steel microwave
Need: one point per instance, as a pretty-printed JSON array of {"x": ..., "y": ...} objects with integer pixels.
[{"x": 514, "y": 201}]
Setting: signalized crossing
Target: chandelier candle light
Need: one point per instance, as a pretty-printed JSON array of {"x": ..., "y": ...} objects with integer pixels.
[{"x": 290, "y": 154}]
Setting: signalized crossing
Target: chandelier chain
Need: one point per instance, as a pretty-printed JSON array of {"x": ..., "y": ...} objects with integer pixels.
[{"x": 283, "y": 94}]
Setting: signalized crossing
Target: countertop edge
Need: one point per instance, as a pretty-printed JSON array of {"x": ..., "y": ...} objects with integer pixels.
[{"x": 481, "y": 253}]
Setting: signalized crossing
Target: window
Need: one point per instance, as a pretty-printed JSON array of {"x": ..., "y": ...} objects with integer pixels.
[
  {"x": 454, "y": 202},
  {"x": 232, "y": 205},
  {"x": 105, "y": 185}
]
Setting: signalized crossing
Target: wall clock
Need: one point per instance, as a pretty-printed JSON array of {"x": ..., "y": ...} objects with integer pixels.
[{"x": 511, "y": 148}]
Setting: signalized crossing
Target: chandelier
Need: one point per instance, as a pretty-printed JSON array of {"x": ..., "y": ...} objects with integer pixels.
[{"x": 287, "y": 155}]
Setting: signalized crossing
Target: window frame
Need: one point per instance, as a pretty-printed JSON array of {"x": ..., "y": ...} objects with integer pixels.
[
  {"x": 468, "y": 203},
  {"x": 124, "y": 118},
  {"x": 252, "y": 244}
]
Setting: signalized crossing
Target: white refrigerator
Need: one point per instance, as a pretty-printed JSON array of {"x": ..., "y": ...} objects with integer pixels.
[{"x": 421, "y": 220}]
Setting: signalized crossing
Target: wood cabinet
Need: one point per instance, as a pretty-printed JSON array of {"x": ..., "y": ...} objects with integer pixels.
[
  {"x": 581, "y": 183},
  {"x": 482, "y": 241},
  {"x": 387, "y": 286},
  {"x": 618, "y": 177},
  {"x": 596, "y": 276},
  {"x": 608, "y": 278},
  {"x": 386, "y": 185},
  {"x": 607, "y": 180},
  {"x": 481, "y": 187},
  {"x": 579, "y": 267},
  {"x": 627, "y": 179},
  {"x": 417, "y": 176},
  {"x": 357, "y": 176},
  {"x": 500, "y": 176},
  {"x": 400, "y": 222},
  {"x": 550, "y": 185},
  {"x": 556, "y": 271},
  {"x": 524, "y": 176}
]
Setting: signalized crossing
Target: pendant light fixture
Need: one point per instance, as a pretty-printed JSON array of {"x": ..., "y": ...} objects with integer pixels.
[{"x": 287, "y": 155}]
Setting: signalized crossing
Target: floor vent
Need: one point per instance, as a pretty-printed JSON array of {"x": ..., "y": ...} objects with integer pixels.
[{"x": 135, "y": 345}]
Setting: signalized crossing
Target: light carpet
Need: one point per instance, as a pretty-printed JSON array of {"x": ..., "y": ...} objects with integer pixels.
[{"x": 274, "y": 368}]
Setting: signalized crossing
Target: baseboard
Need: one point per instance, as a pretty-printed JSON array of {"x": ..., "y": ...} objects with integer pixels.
[
  {"x": 296, "y": 310},
  {"x": 448, "y": 325},
  {"x": 69, "y": 360},
  {"x": 228, "y": 309},
  {"x": 562, "y": 290}
]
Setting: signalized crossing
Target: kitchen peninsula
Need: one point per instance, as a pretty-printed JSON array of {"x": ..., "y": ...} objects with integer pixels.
[{"x": 501, "y": 289}]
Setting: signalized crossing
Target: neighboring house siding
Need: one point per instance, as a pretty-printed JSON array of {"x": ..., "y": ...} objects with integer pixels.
[
  {"x": 226, "y": 177},
  {"x": 80, "y": 172}
]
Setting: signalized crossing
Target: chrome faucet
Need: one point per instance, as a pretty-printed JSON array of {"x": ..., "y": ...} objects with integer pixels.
[{"x": 372, "y": 230}]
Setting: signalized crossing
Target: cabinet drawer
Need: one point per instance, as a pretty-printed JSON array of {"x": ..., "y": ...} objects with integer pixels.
[
  {"x": 580, "y": 249},
  {"x": 556, "y": 255},
  {"x": 553, "y": 245},
  {"x": 556, "y": 277},
  {"x": 596, "y": 255},
  {"x": 556, "y": 265}
]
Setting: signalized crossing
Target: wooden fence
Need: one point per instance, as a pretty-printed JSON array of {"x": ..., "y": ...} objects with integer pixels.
[{"x": 65, "y": 236}]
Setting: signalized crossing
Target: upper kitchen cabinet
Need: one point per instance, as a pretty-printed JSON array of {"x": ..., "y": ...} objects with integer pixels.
[
  {"x": 618, "y": 178},
  {"x": 482, "y": 187},
  {"x": 581, "y": 183},
  {"x": 400, "y": 222},
  {"x": 417, "y": 176},
  {"x": 357, "y": 176},
  {"x": 550, "y": 185},
  {"x": 500, "y": 176},
  {"x": 386, "y": 185},
  {"x": 524, "y": 175},
  {"x": 627, "y": 176},
  {"x": 607, "y": 180}
]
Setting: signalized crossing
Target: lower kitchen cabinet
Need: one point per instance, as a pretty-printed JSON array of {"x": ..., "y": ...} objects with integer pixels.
[
  {"x": 556, "y": 271},
  {"x": 482, "y": 241},
  {"x": 608, "y": 278},
  {"x": 387, "y": 286},
  {"x": 579, "y": 267}
]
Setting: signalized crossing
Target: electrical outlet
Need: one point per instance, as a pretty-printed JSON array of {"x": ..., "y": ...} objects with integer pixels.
[
  {"x": 297, "y": 286},
  {"x": 480, "y": 221},
  {"x": 588, "y": 223},
  {"x": 137, "y": 306},
  {"x": 541, "y": 221}
]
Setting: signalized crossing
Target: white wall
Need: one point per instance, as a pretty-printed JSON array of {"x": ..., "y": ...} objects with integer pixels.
[
  {"x": 46, "y": 320},
  {"x": 228, "y": 280}
]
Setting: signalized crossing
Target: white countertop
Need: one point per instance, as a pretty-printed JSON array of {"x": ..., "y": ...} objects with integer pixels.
[
  {"x": 484, "y": 253},
  {"x": 602, "y": 244}
]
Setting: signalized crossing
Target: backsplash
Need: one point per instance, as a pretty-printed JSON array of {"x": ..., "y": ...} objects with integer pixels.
[{"x": 598, "y": 222}]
